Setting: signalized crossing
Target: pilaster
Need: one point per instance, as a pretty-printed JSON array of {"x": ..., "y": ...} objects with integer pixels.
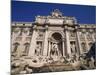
[
  {"x": 78, "y": 42},
  {"x": 67, "y": 42},
  {"x": 33, "y": 42},
  {"x": 63, "y": 43},
  {"x": 45, "y": 41}
]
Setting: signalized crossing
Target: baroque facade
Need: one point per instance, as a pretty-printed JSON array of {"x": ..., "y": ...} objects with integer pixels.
[{"x": 52, "y": 36}]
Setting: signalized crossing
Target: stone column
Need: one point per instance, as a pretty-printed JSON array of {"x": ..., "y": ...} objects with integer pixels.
[
  {"x": 33, "y": 42},
  {"x": 49, "y": 48},
  {"x": 78, "y": 43},
  {"x": 63, "y": 47},
  {"x": 68, "y": 43},
  {"x": 45, "y": 42},
  {"x": 87, "y": 46}
]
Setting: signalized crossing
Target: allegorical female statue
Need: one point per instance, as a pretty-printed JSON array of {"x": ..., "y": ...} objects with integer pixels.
[{"x": 54, "y": 50}]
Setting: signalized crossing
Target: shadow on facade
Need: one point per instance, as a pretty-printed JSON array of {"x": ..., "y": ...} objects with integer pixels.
[{"x": 92, "y": 52}]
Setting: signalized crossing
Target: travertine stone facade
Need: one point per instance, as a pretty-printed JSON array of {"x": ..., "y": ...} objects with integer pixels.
[{"x": 52, "y": 36}]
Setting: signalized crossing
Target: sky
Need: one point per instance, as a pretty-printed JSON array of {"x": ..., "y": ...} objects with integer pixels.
[{"x": 22, "y": 11}]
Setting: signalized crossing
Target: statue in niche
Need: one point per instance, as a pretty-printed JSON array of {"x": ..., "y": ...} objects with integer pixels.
[
  {"x": 73, "y": 47},
  {"x": 37, "y": 50},
  {"x": 54, "y": 50}
]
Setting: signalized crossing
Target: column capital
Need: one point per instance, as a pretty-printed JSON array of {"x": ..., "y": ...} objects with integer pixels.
[{"x": 46, "y": 27}]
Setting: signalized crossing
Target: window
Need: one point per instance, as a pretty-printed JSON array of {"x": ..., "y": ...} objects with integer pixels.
[
  {"x": 21, "y": 30},
  {"x": 26, "y": 31},
  {"x": 89, "y": 36},
  {"x": 26, "y": 48},
  {"x": 83, "y": 47},
  {"x": 82, "y": 35},
  {"x": 15, "y": 47}
]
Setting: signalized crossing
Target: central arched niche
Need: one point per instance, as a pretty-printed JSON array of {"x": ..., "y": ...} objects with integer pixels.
[
  {"x": 57, "y": 43},
  {"x": 56, "y": 36}
]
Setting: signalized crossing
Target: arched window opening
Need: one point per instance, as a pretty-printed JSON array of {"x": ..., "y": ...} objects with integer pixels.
[{"x": 15, "y": 47}]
